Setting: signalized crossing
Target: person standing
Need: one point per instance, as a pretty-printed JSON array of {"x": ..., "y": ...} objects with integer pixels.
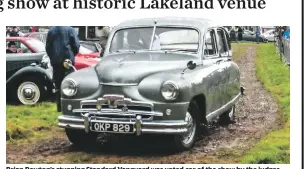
[
  {"x": 62, "y": 43},
  {"x": 14, "y": 32},
  {"x": 286, "y": 33},
  {"x": 257, "y": 34},
  {"x": 104, "y": 35},
  {"x": 8, "y": 31},
  {"x": 34, "y": 29},
  {"x": 240, "y": 33}
]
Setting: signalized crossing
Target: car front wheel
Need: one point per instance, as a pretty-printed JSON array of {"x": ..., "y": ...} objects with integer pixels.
[{"x": 187, "y": 140}]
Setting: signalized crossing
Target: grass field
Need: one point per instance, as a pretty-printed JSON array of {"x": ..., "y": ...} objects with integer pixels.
[
  {"x": 274, "y": 75},
  {"x": 24, "y": 122}
]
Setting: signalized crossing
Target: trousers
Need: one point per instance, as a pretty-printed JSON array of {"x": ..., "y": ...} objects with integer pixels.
[{"x": 59, "y": 73}]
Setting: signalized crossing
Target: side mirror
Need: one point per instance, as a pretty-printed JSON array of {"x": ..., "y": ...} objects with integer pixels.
[{"x": 191, "y": 65}]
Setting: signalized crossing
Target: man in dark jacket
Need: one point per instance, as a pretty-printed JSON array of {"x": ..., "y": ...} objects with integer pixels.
[
  {"x": 62, "y": 43},
  {"x": 14, "y": 32}
]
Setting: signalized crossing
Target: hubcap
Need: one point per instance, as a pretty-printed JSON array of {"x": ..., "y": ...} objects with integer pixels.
[
  {"x": 188, "y": 137},
  {"x": 28, "y": 93}
]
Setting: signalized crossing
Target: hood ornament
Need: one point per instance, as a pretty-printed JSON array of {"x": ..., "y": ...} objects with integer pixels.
[{"x": 119, "y": 60}]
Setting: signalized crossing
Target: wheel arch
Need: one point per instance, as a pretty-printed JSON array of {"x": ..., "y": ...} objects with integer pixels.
[
  {"x": 41, "y": 77},
  {"x": 35, "y": 72},
  {"x": 200, "y": 99}
]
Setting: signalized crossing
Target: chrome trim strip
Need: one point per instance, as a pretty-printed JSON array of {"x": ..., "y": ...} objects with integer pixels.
[
  {"x": 140, "y": 126},
  {"x": 125, "y": 101},
  {"x": 117, "y": 112},
  {"x": 165, "y": 131},
  {"x": 118, "y": 84},
  {"x": 224, "y": 108}
]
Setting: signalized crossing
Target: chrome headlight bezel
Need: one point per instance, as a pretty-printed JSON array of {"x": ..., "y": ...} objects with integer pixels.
[
  {"x": 169, "y": 85},
  {"x": 46, "y": 62},
  {"x": 68, "y": 83}
]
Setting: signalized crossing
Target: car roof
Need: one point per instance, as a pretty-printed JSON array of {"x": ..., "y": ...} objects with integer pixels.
[{"x": 199, "y": 23}]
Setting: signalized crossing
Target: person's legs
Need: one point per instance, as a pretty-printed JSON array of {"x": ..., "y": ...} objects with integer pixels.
[
  {"x": 257, "y": 38},
  {"x": 59, "y": 73},
  {"x": 58, "y": 76}
]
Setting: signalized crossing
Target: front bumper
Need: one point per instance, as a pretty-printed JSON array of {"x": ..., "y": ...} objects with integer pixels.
[{"x": 140, "y": 126}]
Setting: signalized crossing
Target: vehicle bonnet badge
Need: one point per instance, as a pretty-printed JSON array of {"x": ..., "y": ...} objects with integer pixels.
[{"x": 119, "y": 60}]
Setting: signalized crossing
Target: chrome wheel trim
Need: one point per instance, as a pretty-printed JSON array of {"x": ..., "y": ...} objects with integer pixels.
[
  {"x": 28, "y": 93},
  {"x": 188, "y": 137}
]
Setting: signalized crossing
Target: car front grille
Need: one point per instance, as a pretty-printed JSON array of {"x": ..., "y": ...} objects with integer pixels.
[{"x": 116, "y": 107}]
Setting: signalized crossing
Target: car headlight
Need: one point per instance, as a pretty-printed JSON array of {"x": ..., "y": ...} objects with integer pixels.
[
  {"x": 69, "y": 87},
  {"x": 169, "y": 90},
  {"x": 46, "y": 62}
]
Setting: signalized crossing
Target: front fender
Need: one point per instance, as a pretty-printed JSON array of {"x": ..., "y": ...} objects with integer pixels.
[
  {"x": 32, "y": 70},
  {"x": 150, "y": 87}
]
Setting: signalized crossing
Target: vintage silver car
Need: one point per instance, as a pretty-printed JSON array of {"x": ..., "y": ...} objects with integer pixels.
[{"x": 158, "y": 76}]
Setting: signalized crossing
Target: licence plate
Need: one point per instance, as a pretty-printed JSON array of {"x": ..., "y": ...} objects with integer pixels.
[{"x": 112, "y": 127}]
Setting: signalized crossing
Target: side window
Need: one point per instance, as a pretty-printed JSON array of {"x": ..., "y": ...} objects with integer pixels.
[
  {"x": 16, "y": 42},
  {"x": 24, "y": 49},
  {"x": 210, "y": 44},
  {"x": 222, "y": 43}
]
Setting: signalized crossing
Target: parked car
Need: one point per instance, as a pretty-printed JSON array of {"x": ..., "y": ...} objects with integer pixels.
[
  {"x": 269, "y": 35},
  {"x": 28, "y": 77},
  {"x": 83, "y": 59},
  {"x": 91, "y": 45},
  {"x": 87, "y": 48},
  {"x": 158, "y": 76},
  {"x": 250, "y": 36}
]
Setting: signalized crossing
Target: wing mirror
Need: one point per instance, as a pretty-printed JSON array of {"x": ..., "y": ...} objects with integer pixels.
[
  {"x": 46, "y": 62},
  {"x": 191, "y": 65}
]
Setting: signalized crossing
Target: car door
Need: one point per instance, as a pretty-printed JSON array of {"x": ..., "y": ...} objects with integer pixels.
[
  {"x": 211, "y": 62},
  {"x": 229, "y": 73}
]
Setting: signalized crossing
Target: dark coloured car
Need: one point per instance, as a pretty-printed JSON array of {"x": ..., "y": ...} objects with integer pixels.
[
  {"x": 158, "y": 76},
  {"x": 250, "y": 36},
  {"x": 28, "y": 77}
]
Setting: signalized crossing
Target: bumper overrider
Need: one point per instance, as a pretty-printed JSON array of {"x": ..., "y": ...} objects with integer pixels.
[{"x": 117, "y": 110}]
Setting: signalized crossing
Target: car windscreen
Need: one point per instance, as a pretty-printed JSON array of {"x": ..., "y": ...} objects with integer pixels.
[
  {"x": 164, "y": 38},
  {"x": 36, "y": 44},
  {"x": 89, "y": 46},
  {"x": 84, "y": 50}
]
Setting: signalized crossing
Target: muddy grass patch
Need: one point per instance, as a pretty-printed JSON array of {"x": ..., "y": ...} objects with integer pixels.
[
  {"x": 239, "y": 49},
  {"x": 274, "y": 148},
  {"x": 24, "y": 122}
]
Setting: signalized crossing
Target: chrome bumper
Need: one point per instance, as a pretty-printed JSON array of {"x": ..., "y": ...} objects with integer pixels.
[{"x": 140, "y": 126}]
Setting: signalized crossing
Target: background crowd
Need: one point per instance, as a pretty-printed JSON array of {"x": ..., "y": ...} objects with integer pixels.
[{"x": 15, "y": 31}]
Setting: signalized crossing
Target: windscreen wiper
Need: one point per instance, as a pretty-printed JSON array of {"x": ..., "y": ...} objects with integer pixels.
[
  {"x": 129, "y": 51},
  {"x": 179, "y": 50}
]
